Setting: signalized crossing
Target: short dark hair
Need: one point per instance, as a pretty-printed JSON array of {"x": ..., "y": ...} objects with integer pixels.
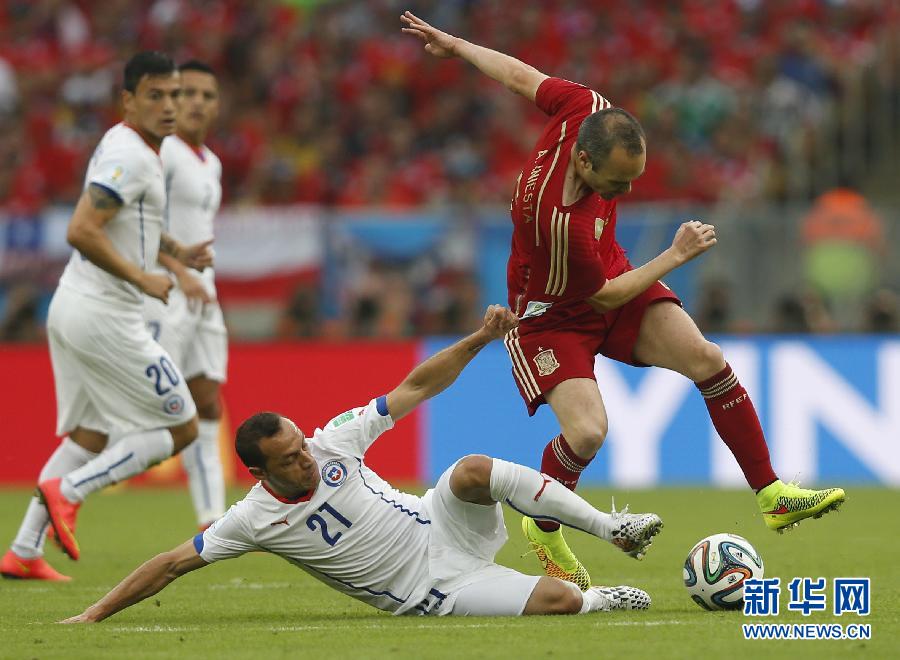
[
  {"x": 603, "y": 130},
  {"x": 196, "y": 65},
  {"x": 147, "y": 63},
  {"x": 250, "y": 432}
]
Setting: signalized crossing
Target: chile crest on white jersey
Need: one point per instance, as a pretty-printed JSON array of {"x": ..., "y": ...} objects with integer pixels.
[
  {"x": 355, "y": 532},
  {"x": 129, "y": 169}
]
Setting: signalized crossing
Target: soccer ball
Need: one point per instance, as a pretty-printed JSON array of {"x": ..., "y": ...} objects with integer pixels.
[{"x": 715, "y": 570}]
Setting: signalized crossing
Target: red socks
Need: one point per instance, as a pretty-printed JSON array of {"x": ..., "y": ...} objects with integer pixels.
[
  {"x": 735, "y": 419},
  {"x": 732, "y": 414},
  {"x": 564, "y": 465}
]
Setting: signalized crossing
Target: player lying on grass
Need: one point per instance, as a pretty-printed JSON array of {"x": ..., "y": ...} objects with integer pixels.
[{"x": 319, "y": 507}]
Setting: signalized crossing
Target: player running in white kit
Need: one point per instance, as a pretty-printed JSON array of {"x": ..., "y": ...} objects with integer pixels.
[
  {"x": 321, "y": 508},
  {"x": 110, "y": 375},
  {"x": 191, "y": 327}
]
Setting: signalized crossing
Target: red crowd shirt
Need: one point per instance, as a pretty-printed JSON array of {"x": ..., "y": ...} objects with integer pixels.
[{"x": 560, "y": 254}]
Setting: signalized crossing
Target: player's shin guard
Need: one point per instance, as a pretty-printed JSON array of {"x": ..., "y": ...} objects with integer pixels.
[
  {"x": 735, "y": 419},
  {"x": 29, "y": 541},
  {"x": 562, "y": 463},
  {"x": 538, "y": 496},
  {"x": 131, "y": 455},
  {"x": 204, "y": 469}
]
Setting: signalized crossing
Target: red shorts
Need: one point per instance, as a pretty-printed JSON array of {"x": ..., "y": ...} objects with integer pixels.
[{"x": 542, "y": 359}]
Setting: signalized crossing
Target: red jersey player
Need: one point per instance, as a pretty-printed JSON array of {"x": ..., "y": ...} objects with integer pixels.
[{"x": 577, "y": 295}]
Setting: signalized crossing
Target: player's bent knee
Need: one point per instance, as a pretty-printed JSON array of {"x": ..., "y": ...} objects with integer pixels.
[
  {"x": 708, "y": 361},
  {"x": 553, "y": 596},
  {"x": 569, "y": 600},
  {"x": 473, "y": 471},
  {"x": 573, "y": 602},
  {"x": 587, "y": 437},
  {"x": 470, "y": 480},
  {"x": 184, "y": 434},
  {"x": 209, "y": 409},
  {"x": 91, "y": 440},
  {"x": 205, "y": 393}
]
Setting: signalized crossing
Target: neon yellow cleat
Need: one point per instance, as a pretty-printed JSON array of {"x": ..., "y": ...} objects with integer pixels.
[
  {"x": 784, "y": 505},
  {"x": 555, "y": 556}
]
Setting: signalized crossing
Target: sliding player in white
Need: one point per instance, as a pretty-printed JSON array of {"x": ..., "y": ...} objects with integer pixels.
[
  {"x": 190, "y": 327},
  {"x": 110, "y": 375},
  {"x": 319, "y": 507}
]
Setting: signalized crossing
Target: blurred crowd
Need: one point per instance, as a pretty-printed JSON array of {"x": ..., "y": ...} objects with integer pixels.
[
  {"x": 326, "y": 102},
  {"x": 329, "y": 103}
]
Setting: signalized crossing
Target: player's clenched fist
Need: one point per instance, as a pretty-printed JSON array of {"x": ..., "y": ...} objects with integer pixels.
[
  {"x": 693, "y": 238},
  {"x": 498, "y": 320}
]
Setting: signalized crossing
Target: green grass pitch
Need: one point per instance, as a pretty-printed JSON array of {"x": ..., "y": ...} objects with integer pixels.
[{"x": 259, "y": 606}]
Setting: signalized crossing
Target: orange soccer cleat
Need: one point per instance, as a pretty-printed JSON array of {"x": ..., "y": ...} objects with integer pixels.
[
  {"x": 14, "y": 567},
  {"x": 62, "y": 513},
  {"x": 70, "y": 517}
]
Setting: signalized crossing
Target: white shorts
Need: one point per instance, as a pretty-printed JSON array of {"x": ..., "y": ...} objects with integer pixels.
[
  {"x": 194, "y": 334},
  {"x": 465, "y": 538},
  {"x": 110, "y": 375}
]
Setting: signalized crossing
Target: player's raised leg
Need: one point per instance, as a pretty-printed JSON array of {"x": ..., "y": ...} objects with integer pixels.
[
  {"x": 669, "y": 338},
  {"x": 131, "y": 455},
  {"x": 582, "y": 418},
  {"x": 201, "y": 460},
  {"x": 24, "y": 560},
  {"x": 535, "y": 495},
  {"x": 484, "y": 481}
]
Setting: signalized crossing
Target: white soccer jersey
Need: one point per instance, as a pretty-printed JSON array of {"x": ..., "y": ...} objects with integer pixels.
[
  {"x": 129, "y": 168},
  {"x": 355, "y": 532},
  {"x": 194, "y": 192}
]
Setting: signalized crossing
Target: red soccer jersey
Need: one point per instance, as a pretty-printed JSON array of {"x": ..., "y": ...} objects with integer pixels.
[{"x": 560, "y": 254}]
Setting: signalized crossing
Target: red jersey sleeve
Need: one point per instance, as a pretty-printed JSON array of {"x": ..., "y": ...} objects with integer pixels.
[{"x": 558, "y": 96}]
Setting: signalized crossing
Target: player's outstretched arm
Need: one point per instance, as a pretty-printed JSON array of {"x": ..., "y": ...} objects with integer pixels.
[
  {"x": 95, "y": 208},
  {"x": 439, "y": 371},
  {"x": 514, "y": 74},
  {"x": 691, "y": 240},
  {"x": 149, "y": 578}
]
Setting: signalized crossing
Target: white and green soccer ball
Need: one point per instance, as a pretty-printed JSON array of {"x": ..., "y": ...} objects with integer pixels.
[{"x": 716, "y": 568}]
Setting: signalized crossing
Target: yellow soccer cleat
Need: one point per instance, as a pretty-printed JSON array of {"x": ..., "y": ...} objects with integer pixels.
[
  {"x": 783, "y": 506},
  {"x": 555, "y": 556}
]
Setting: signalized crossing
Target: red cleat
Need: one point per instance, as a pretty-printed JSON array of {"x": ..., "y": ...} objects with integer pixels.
[
  {"x": 61, "y": 512},
  {"x": 71, "y": 518},
  {"x": 14, "y": 567}
]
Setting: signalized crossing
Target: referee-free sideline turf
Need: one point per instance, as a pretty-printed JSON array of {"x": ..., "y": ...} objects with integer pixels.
[{"x": 260, "y": 606}]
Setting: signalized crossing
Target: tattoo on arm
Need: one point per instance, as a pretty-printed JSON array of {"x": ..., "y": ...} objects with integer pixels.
[
  {"x": 168, "y": 245},
  {"x": 102, "y": 199}
]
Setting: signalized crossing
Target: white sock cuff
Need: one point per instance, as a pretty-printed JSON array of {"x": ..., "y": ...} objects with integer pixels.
[
  {"x": 67, "y": 456},
  {"x": 586, "y": 599},
  {"x": 504, "y": 479},
  {"x": 131, "y": 455},
  {"x": 208, "y": 428}
]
